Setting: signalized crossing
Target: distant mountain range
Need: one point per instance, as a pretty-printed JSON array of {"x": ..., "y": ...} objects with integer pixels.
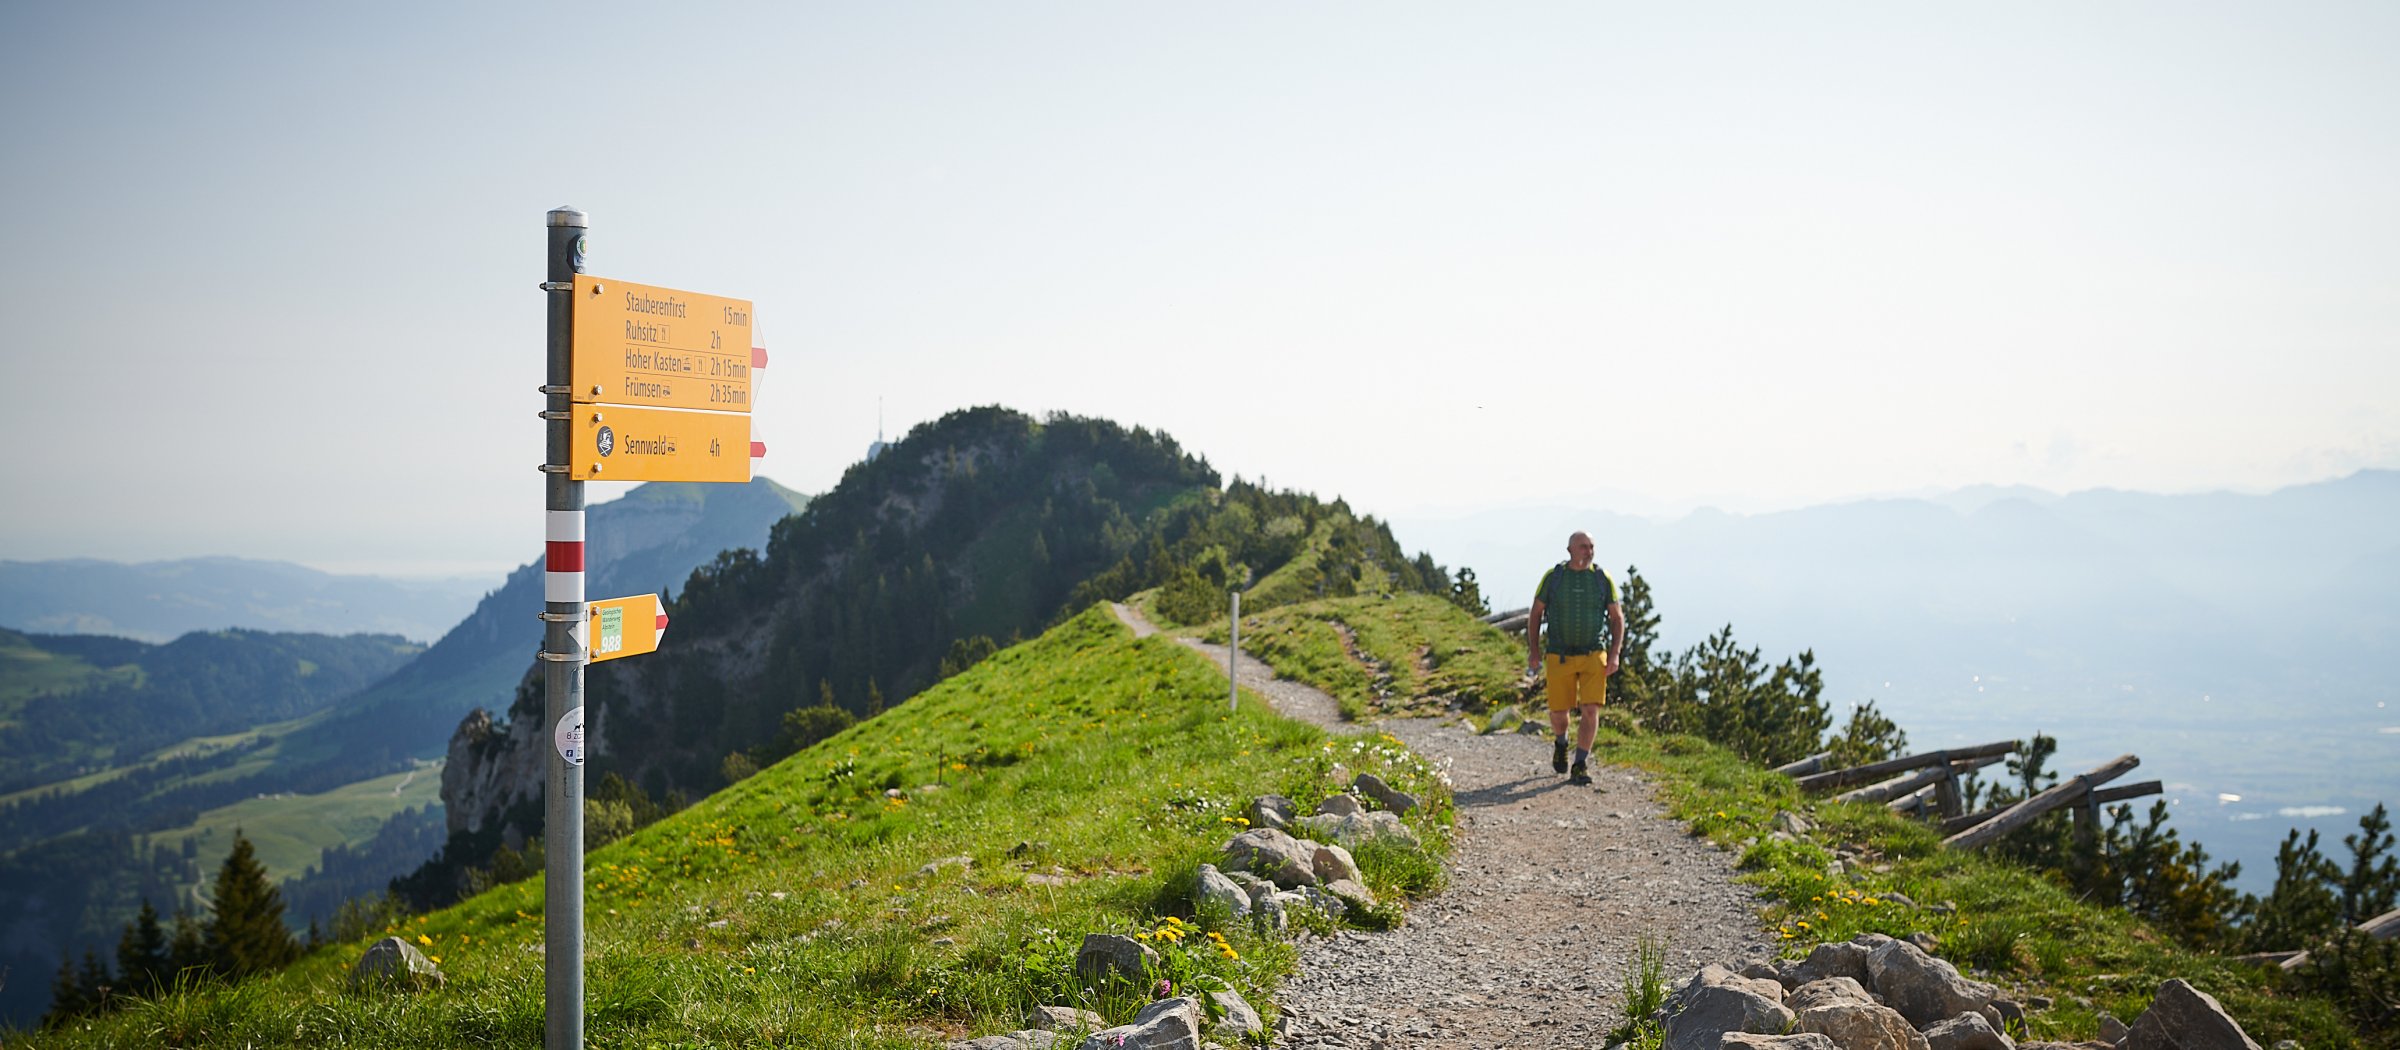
[{"x": 160, "y": 601}]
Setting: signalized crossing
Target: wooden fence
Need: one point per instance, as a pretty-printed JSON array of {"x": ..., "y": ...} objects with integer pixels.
[{"x": 1926, "y": 784}]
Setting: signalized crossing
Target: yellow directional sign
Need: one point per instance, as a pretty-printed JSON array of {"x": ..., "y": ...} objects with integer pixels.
[
  {"x": 636, "y": 344},
  {"x": 627, "y": 626},
  {"x": 617, "y": 443}
]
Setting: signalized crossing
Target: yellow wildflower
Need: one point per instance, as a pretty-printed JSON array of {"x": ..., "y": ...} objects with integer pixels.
[{"x": 424, "y": 940}]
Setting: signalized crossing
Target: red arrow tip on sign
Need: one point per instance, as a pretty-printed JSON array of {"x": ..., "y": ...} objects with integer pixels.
[
  {"x": 662, "y": 622},
  {"x": 758, "y": 450},
  {"x": 758, "y": 357}
]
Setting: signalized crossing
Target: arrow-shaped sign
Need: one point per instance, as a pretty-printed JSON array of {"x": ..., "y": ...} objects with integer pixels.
[{"x": 627, "y": 626}]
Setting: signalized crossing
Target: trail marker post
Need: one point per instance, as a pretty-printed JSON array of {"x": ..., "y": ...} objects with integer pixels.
[
  {"x": 644, "y": 384},
  {"x": 562, "y": 655},
  {"x": 1233, "y": 657}
]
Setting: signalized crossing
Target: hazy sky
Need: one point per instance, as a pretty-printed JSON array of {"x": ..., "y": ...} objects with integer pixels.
[{"x": 273, "y": 266}]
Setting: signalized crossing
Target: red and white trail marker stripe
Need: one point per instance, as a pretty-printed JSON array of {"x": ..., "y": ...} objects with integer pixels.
[{"x": 562, "y": 556}]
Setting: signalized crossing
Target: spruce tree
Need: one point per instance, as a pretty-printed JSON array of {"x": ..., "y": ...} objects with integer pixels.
[
  {"x": 66, "y": 994},
  {"x": 2303, "y": 907},
  {"x": 247, "y": 935},
  {"x": 188, "y": 951},
  {"x": 144, "y": 960},
  {"x": 96, "y": 985},
  {"x": 2373, "y": 882}
]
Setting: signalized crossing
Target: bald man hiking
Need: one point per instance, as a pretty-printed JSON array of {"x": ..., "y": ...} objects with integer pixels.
[{"x": 1583, "y": 645}]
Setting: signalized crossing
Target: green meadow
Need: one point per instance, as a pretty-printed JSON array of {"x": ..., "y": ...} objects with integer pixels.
[{"x": 1084, "y": 776}]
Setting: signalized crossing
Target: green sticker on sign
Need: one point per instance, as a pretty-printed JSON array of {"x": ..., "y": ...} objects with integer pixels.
[{"x": 612, "y": 630}]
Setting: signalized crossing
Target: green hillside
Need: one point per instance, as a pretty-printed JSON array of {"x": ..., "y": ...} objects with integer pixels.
[
  {"x": 978, "y": 529},
  {"x": 1085, "y": 773},
  {"x": 292, "y": 830},
  {"x": 28, "y": 670}
]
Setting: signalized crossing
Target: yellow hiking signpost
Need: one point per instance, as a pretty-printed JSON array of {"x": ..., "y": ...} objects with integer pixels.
[
  {"x": 627, "y": 626},
  {"x": 636, "y": 344},
  {"x": 620, "y": 443},
  {"x": 643, "y": 384}
]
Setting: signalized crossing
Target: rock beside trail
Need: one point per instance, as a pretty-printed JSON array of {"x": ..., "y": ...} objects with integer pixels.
[
  {"x": 1352, "y": 893},
  {"x": 1272, "y": 855},
  {"x": 2182, "y": 1017},
  {"x": 1106, "y": 956},
  {"x": 1718, "y": 1001},
  {"x": 1861, "y": 1026},
  {"x": 1213, "y": 889},
  {"x": 1924, "y": 989},
  {"x": 1835, "y": 959},
  {"x": 1967, "y": 1032},
  {"x": 1827, "y": 992},
  {"x": 1064, "y": 1019},
  {"x": 395, "y": 963},
  {"x": 1239, "y": 1019},
  {"x": 1168, "y": 1024},
  {"x": 1271, "y": 811},
  {"x": 1909, "y": 1000},
  {"x": 1385, "y": 795},
  {"x": 1339, "y": 806},
  {"x": 1333, "y": 863},
  {"x": 1795, "y": 1041},
  {"x": 1354, "y": 828}
]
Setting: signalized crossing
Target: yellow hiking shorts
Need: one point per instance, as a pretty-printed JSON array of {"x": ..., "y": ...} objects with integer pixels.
[{"x": 1576, "y": 680}]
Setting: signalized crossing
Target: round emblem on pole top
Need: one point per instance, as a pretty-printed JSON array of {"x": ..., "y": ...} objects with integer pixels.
[{"x": 607, "y": 441}]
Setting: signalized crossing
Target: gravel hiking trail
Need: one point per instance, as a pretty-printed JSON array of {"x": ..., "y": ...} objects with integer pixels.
[{"x": 1551, "y": 888}]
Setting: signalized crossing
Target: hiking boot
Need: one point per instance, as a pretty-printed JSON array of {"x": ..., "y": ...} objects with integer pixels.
[
  {"x": 1558, "y": 754},
  {"x": 1579, "y": 776}
]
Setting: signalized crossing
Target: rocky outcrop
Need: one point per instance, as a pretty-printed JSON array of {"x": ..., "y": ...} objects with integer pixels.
[
  {"x": 1967, "y": 1032},
  {"x": 1272, "y": 855},
  {"x": 1168, "y": 1024},
  {"x": 1385, "y": 795},
  {"x": 1107, "y": 957},
  {"x": 393, "y": 963},
  {"x": 1271, "y": 811},
  {"x": 1717, "y": 1001},
  {"x": 2182, "y": 1017},
  {"x": 1924, "y": 989},
  {"x": 1909, "y": 1000},
  {"x": 1794, "y": 1041},
  {"x": 1353, "y": 828}
]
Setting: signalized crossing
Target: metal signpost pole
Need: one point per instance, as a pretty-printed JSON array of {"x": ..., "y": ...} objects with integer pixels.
[
  {"x": 1233, "y": 657},
  {"x": 563, "y": 639}
]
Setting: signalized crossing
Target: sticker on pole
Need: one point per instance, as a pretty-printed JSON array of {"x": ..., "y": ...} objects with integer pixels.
[{"x": 569, "y": 737}]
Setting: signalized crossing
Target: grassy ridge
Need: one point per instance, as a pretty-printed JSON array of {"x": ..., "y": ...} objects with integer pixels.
[
  {"x": 1085, "y": 773},
  {"x": 1427, "y": 650},
  {"x": 27, "y": 670}
]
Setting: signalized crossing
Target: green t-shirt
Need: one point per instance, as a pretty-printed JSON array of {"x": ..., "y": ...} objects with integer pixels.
[{"x": 1575, "y": 606}]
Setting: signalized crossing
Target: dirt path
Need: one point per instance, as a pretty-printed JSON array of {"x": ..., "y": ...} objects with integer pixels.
[{"x": 1551, "y": 888}]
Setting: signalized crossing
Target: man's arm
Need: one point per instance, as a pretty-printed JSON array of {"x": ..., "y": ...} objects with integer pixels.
[
  {"x": 1616, "y": 636},
  {"x": 1533, "y": 637}
]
